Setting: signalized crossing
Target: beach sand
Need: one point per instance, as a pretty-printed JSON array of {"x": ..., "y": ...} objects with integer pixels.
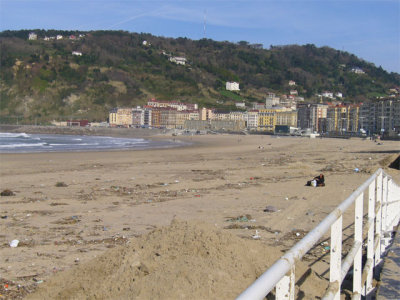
[{"x": 70, "y": 209}]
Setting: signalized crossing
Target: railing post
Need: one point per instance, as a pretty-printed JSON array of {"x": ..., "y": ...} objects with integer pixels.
[
  {"x": 285, "y": 286},
  {"x": 336, "y": 257},
  {"x": 358, "y": 237},
  {"x": 386, "y": 237},
  {"x": 378, "y": 219},
  {"x": 370, "y": 240}
]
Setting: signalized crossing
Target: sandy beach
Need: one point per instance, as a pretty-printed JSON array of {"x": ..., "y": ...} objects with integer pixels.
[{"x": 80, "y": 215}]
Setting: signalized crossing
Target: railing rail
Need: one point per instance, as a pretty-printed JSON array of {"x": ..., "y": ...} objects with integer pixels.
[{"x": 383, "y": 214}]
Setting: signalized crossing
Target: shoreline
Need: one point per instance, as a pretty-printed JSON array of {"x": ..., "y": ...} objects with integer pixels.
[{"x": 99, "y": 131}]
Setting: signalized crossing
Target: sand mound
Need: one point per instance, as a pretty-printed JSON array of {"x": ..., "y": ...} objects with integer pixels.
[
  {"x": 388, "y": 160},
  {"x": 180, "y": 261}
]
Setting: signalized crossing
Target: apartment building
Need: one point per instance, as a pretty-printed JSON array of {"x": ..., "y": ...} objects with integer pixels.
[
  {"x": 380, "y": 116},
  {"x": 309, "y": 115},
  {"x": 121, "y": 117},
  {"x": 252, "y": 119}
]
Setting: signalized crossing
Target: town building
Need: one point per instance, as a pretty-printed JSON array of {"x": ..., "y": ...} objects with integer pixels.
[
  {"x": 258, "y": 106},
  {"x": 232, "y": 86},
  {"x": 206, "y": 114},
  {"x": 271, "y": 100},
  {"x": 252, "y": 119},
  {"x": 381, "y": 116},
  {"x": 121, "y": 117},
  {"x": 174, "y": 104},
  {"x": 240, "y": 105},
  {"x": 178, "y": 60},
  {"x": 266, "y": 119},
  {"x": 309, "y": 115},
  {"x": 327, "y": 94},
  {"x": 357, "y": 70},
  {"x": 32, "y": 36}
]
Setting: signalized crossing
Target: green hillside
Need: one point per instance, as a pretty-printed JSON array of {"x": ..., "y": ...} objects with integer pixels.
[{"x": 41, "y": 80}]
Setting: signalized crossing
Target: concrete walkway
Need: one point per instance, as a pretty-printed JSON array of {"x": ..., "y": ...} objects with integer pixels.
[{"x": 389, "y": 287}]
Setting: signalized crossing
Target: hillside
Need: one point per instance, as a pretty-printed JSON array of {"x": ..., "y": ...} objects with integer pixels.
[{"x": 42, "y": 80}]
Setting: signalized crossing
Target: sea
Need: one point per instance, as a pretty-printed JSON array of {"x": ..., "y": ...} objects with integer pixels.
[{"x": 32, "y": 143}]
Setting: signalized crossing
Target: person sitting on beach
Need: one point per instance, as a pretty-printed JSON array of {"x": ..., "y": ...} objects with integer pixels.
[{"x": 319, "y": 180}]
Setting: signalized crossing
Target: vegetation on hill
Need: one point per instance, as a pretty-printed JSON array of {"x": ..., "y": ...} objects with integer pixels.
[{"x": 41, "y": 80}]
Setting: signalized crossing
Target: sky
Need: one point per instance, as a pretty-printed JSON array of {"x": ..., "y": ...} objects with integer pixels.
[{"x": 370, "y": 29}]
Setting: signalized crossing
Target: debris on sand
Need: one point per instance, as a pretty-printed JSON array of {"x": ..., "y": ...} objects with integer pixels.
[
  {"x": 7, "y": 192},
  {"x": 270, "y": 208}
]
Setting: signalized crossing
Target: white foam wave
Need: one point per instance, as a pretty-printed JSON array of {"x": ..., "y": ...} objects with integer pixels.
[
  {"x": 22, "y": 145},
  {"x": 13, "y": 135}
]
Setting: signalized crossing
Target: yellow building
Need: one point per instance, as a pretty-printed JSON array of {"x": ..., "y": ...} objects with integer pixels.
[
  {"x": 267, "y": 119},
  {"x": 270, "y": 117},
  {"x": 121, "y": 117}
]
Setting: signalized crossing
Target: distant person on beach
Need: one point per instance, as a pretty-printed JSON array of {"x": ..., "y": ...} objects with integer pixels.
[{"x": 319, "y": 181}]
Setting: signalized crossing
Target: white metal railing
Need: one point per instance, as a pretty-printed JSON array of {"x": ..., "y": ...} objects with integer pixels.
[{"x": 383, "y": 216}]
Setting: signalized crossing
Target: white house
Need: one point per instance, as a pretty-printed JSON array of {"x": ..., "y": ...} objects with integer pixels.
[
  {"x": 178, "y": 60},
  {"x": 240, "y": 104},
  {"x": 232, "y": 86},
  {"x": 327, "y": 94},
  {"x": 357, "y": 70},
  {"x": 339, "y": 95},
  {"x": 59, "y": 37},
  {"x": 292, "y": 83},
  {"x": 32, "y": 36},
  {"x": 76, "y": 53}
]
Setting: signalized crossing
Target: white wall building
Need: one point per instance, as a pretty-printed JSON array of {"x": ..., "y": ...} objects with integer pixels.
[
  {"x": 178, "y": 60},
  {"x": 271, "y": 100},
  {"x": 32, "y": 36},
  {"x": 252, "y": 119},
  {"x": 327, "y": 94},
  {"x": 357, "y": 70},
  {"x": 232, "y": 86}
]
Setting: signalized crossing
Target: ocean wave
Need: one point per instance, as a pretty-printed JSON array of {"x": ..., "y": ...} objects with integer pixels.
[
  {"x": 73, "y": 145},
  {"x": 21, "y": 145},
  {"x": 14, "y": 135}
]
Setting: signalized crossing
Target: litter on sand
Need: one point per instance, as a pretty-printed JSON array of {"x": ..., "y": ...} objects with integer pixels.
[
  {"x": 14, "y": 243},
  {"x": 256, "y": 236}
]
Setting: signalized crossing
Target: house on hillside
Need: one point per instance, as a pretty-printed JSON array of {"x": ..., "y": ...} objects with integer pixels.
[
  {"x": 32, "y": 36},
  {"x": 178, "y": 60},
  {"x": 232, "y": 86},
  {"x": 357, "y": 70},
  {"x": 327, "y": 94}
]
